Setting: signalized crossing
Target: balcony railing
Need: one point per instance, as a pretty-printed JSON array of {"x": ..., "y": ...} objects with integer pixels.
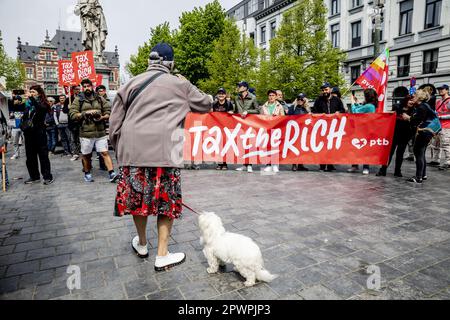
[
  {"x": 430, "y": 67},
  {"x": 403, "y": 71}
]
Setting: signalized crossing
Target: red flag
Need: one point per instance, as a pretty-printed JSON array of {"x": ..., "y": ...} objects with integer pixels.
[{"x": 376, "y": 77}]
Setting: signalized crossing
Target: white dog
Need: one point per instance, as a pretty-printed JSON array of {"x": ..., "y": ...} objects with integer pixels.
[{"x": 222, "y": 247}]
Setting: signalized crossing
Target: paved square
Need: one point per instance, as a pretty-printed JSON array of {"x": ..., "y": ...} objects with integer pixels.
[{"x": 319, "y": 231}]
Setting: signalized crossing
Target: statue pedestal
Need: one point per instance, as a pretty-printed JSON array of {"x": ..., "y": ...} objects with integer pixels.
[{"x": 102, "y": 68}]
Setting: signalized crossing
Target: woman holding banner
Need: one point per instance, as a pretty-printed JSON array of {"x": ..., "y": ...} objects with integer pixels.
[{"x": 369, "y": 106}]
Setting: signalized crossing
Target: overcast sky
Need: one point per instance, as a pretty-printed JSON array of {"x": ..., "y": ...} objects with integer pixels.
[{"x": 128, "y": 21}]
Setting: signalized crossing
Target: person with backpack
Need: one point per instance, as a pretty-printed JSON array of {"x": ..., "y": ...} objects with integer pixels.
[
  {"x": 425, "y": 123},
  {"x": 91, "y": 111},
  {"x": 150, "y": 110}
]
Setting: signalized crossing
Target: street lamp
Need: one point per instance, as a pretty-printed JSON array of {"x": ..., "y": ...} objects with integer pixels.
[{"x": 378, "y": 6}]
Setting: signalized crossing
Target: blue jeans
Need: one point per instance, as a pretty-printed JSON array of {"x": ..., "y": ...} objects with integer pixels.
[
  {"x": 64, "y": 133},
  {"x": 51, "y": 138}
]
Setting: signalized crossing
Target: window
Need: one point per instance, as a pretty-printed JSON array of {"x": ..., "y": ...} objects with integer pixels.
[
  {"x": 406, "y": 15},
  {"x": 273, "y": 29},
  {"x": 111, "y": 77},
  {"x": 252, "y": 6},
  {"x": 356, "y": 3},
  {"x": 239, "y": 13},
  {"x": 335, "y": 35},
  {"x": 355, "y": 73},
  {"x": 48, "y": 56},
  {"x": 50, "y": 89},
  {"x": 49, "y": 73},
  {"x": 335, "y": 7},
  {"x": 263, "y": 34},
  {"x": 356, "y": 34},
  {"x": 403, "y": 66},
  {"x": 430, "y": 61},
  {"x": 433, "y": 13},
  {"x": 30, "y": 73}
]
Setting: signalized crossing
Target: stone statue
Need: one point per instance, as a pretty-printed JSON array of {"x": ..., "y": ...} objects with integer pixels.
[{"x": 93, "y": 26}]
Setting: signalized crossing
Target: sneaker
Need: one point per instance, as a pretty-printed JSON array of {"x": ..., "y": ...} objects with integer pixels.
[
  {"x": 88, "y": 177},
  {"x": 353, "y": 169},
  {"x": 170, "y": 260},
  {"x": 249, "y": 169},
  {"x": 433, "y": 163},
  {"x": 294, "y": 167},
  {"x": 225, "y": 167},
  {"x": 414, "y": 180},
  {"x": 14, "y": 157},
  {"x": 141, "y": 251},
  {"x": 425, "y": 178},
  {"x": 195, "y": 167},
  {"x": 241, "y": 168},
  {"x": 219, "y": 167},
  {"x": 365, "y": 171},
  {"x": 48, "y": 181},
  {"x": 113, "y": 177},
  {"x": 75, "y": 157},
  {"x": 31, "y": 181},
  {"x": 268, "y": 169},
  {"x": 444, "y": 167},
  {"x": 275, "y": 168}
]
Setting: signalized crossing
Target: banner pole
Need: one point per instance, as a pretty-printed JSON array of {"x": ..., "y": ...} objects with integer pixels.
[{"x": 348, "y": 89}]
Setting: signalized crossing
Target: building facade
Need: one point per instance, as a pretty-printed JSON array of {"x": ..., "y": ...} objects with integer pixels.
[
  {"x": 417, "y": 32},
  {"x": 41, "y": 62}
]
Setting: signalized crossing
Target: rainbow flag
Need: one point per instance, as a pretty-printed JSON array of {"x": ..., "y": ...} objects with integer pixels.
[{"x": 376, "y": 77}]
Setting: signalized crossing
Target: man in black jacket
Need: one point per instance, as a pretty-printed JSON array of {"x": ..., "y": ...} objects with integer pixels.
[
  {"x": 328, "y": 104},
  {"x": 74, "y": 127}
]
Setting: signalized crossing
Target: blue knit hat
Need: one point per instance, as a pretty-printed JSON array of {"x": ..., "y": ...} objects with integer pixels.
[{"x": 162, "y": 50}]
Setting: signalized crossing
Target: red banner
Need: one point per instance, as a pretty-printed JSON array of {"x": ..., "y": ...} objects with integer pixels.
[
  {"x": 307, "y": 139},
  {"x": 66, "y": 73},
  {"x": 84, "y": 65}
]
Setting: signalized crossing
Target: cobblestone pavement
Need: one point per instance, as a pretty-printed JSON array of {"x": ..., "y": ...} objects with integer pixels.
[{"x": 318, "y": 231}]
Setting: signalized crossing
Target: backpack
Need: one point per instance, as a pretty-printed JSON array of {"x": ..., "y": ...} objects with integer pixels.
[{"x": 434, "y": 125}]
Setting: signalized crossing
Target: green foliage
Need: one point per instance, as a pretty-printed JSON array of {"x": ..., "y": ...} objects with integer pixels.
[
  {"x": 300, "y": 54},
  {"x": 232, "y": 60},
  {"x": 12, "y": 70},
  {"x": 139, "y": 62},
  {"x": 195, "y": 38}
]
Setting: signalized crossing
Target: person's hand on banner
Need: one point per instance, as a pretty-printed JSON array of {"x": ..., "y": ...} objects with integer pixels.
[{"x": 244, "y": 114}]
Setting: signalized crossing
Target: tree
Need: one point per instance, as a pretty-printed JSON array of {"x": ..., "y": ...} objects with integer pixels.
[
  {"x": 12, "y": 70},
  {"x": 139, "y": 62},
  {"x": 301, "y": 57},
  {"x": 233, "y": 59},
  {"x": 194, "y": 41}
]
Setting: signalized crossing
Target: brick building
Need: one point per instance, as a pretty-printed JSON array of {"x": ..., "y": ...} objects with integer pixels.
[{"x": 41, "y": 62}]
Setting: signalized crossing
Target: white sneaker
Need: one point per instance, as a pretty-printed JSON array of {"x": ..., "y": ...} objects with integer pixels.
[
  {"x": 241, "y": 168},
  {"x": 268, "y": 169},
  {"x": 74, "y": 158},
  {"x": 249, "y": 169},
  {"x": 141, "y": 251},
  {"x": 275, "y": 168},
  {"x": 353, "y": 169},
  {"x": 170, "y": 260},
  {"x": 366, "y": 171},
  {"x": 14, "y": 157}
]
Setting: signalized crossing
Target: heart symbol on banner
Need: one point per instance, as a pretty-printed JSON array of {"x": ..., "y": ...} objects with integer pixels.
[{"x": 359, "y": 143}]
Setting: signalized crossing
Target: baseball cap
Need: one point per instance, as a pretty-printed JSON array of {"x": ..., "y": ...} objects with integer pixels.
[
  {"x": 335, "y": 90},
  {"x": 162, "y": 50},
  {"x": 243, "y": 84},
  {"x": 325, "y": 85},
  {"x": 222, "y": 90},
  {"x": 301, "y": 96},
  {"x": 444, "y": 86}
]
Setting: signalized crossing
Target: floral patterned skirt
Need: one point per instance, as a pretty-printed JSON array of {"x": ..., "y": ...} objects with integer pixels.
[{"x": 149, "y": 191}]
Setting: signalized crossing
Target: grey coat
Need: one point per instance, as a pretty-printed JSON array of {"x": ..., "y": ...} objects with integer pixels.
[{"x": 150, "y": 133}]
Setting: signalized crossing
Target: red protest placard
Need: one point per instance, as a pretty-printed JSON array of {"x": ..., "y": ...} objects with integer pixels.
[
  {"x": 307, "y": 139},
  {"x": 66, "y": 73},
  {"x": 84, "y": 65}
]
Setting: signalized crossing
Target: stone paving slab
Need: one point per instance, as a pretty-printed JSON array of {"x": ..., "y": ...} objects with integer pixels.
[{"x": 318, "y": 231}]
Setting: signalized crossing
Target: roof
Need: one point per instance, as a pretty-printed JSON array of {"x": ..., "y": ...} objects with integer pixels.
[{"x": 65, "y": 42}]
